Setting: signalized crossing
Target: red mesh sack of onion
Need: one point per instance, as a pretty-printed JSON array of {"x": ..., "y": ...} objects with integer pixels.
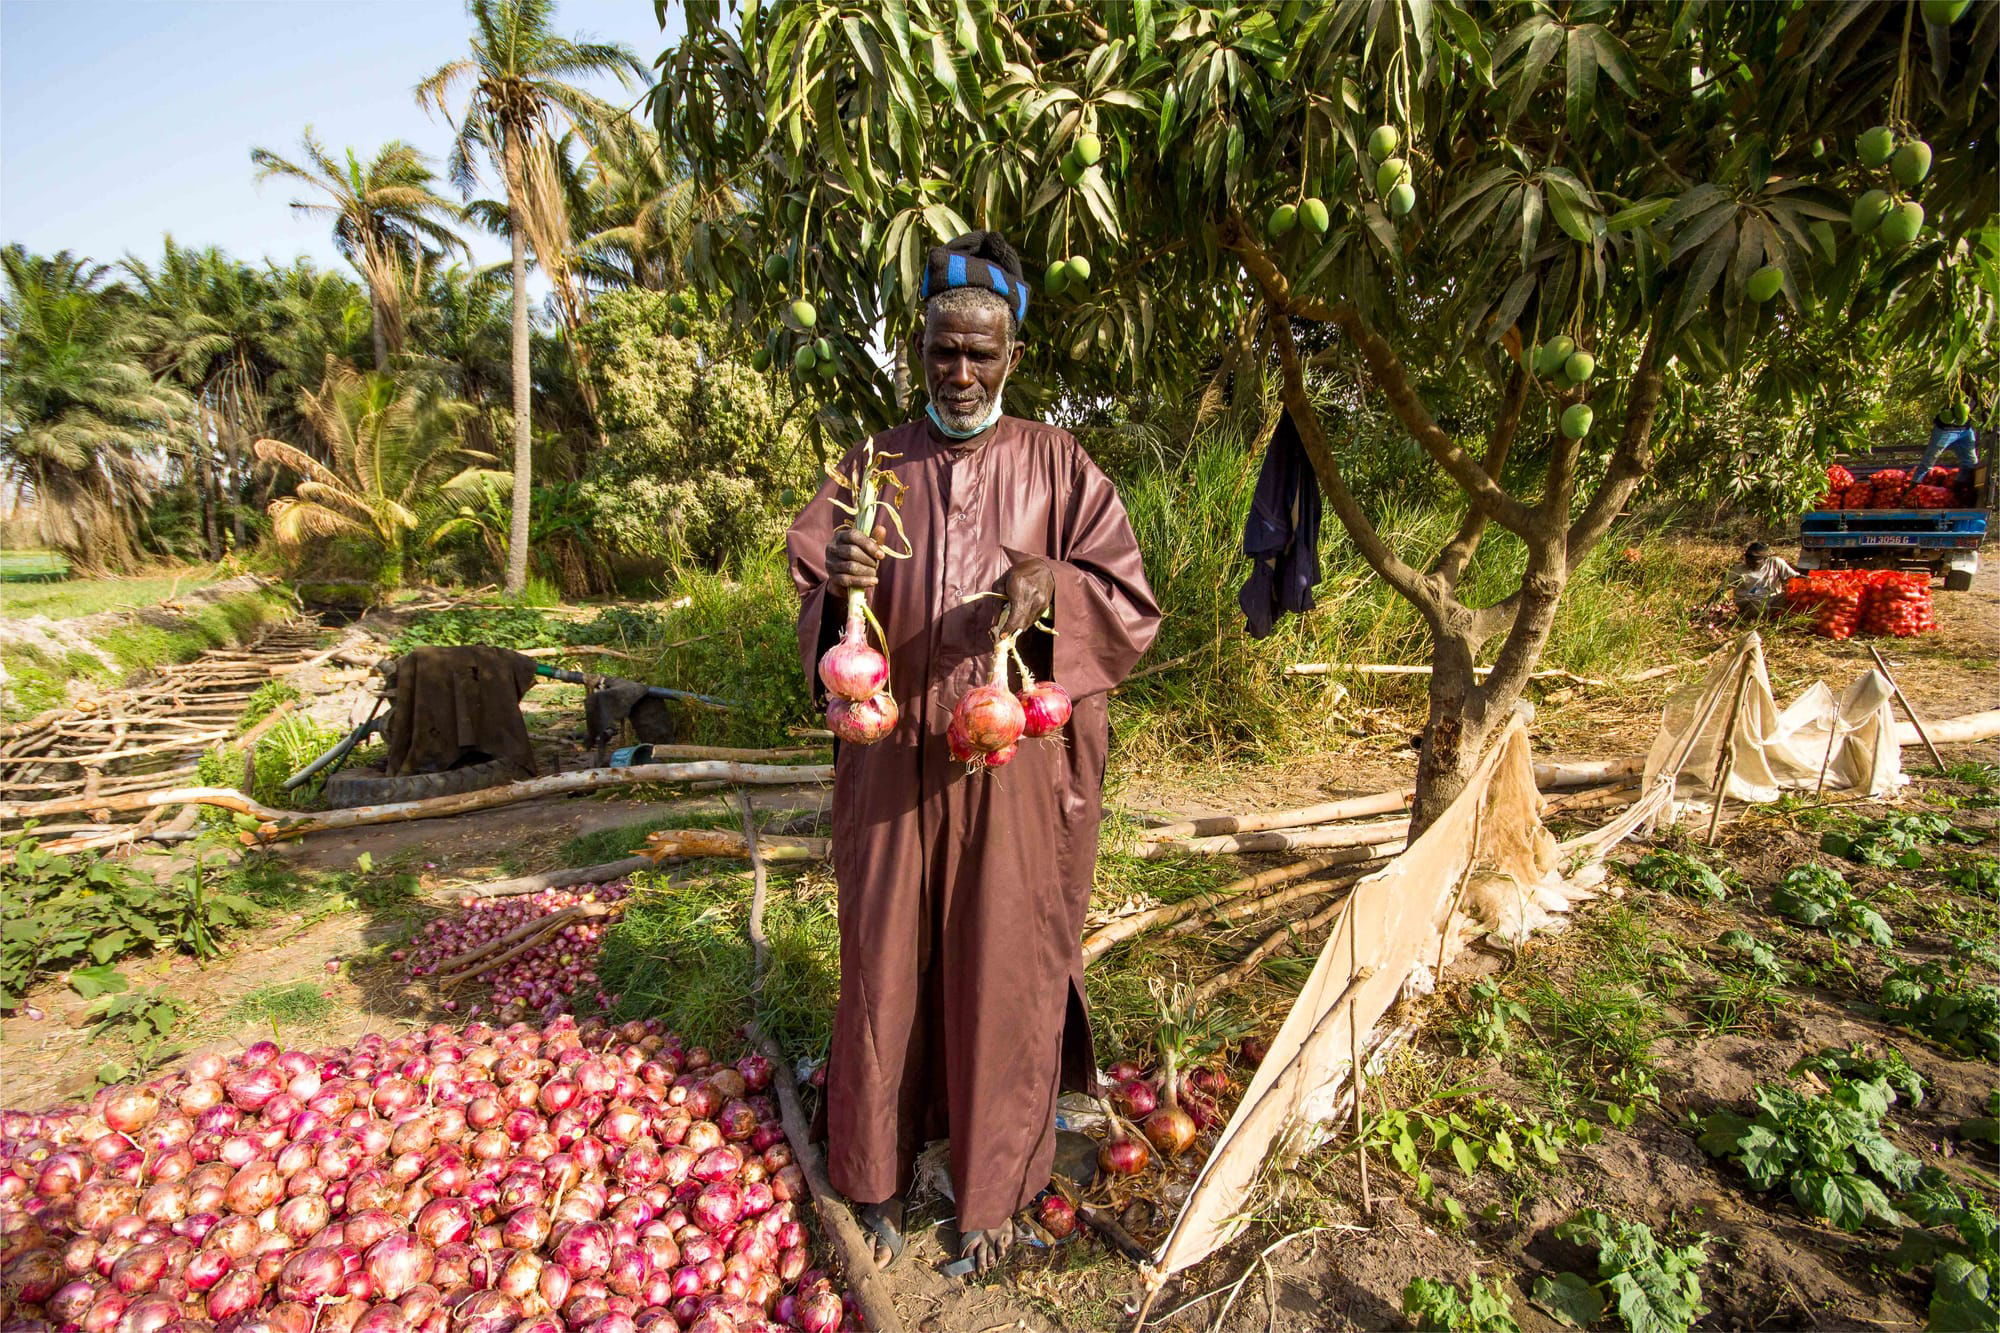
[
  {"x": 990, "y": 720},
  {"x": 572, "y": 1178},
  {"x": 859, "y": 707}
]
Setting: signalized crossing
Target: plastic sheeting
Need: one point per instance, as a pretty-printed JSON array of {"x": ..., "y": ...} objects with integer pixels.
[
  {"x": 1486, "y": 865},
  {"x": 1778, "y": 749}
]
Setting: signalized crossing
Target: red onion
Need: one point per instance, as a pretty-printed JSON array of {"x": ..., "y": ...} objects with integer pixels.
[
  {"x": 852, "y": 670},
  {"x": 820, "y": 1311},
  {"x": 255, "y": 1187},
  {"x": 1122, "y": 1155},
  {"x": 250, "y": 1088},
  {"x": 235, "y": 1294},
  {"x": 138, "y": 1269},
  {"x": 149, "y": 1315},
  {"x": 487, "y": 1312},
  {"x": 33, "y": 1275},
  {"x": 1135, "y": 1099},
  {"x": 585, "y": 1249},
  {"x": 207, "y": 1267},
  {"x": 1046, "y": 707},
  {"x": 443, "y": 1221},
  {"x": 131, "y": 1108},
  {"x": 311, "y": 1275},
  {"x": 1057, "y": 1216},
  {"x": 863, "y": 722},
  {"x": 398, "y": 1262}
]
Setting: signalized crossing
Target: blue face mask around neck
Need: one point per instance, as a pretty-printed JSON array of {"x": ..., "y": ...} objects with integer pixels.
[{"x": 949, "y": 433}]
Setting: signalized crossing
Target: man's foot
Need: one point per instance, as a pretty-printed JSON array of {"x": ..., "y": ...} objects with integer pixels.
[
  {"x": 985, "y": 1248},
  {"x": 884, "y": 1222}
]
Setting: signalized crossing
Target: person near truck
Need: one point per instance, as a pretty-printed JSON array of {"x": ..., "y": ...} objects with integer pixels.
[{"x": 1759, "y": 580}]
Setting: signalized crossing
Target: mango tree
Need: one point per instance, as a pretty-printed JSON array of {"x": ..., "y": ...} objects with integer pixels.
[{"x": 1580, "y": 194}]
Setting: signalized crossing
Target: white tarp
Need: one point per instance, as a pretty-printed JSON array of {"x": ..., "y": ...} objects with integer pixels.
[{"x": 1779, "y": 749}]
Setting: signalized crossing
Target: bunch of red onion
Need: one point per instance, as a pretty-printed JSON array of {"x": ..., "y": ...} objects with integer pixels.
[
  {"x": 859, "y": 708},
  {"x": 567, "y": 1179},
  {"x": 988, "y": 723},
  {"x": 1169, "y": 1111},
  {"x": 550, "y": 976}
]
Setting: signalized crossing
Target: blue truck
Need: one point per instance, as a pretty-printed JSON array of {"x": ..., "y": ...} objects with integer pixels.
[{"x": 1944, "y": 541}]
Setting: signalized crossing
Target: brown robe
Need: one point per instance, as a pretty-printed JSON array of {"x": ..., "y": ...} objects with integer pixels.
[{"x": 962, "y": 896}]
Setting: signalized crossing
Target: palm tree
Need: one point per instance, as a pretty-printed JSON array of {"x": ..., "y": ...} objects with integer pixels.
[
  {"x": 392, "y": 448},
  {"x": 643, "y": 210},
  {"x": 513, "y": 98},
  {"x": 83, "y": 426},
  {"x": 385, "y": 216}
]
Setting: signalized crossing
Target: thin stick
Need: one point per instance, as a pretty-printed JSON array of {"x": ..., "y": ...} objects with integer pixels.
[
  {"x": 1354, "y": 1064},
  {"x": 1124, "y": 928},
  {"x": 759, "y": 944},
  {"x": 1726, "y": 761},
  {"x": 1904, "y": 700},
  {"x": 559, "y": 879},
  {"x": 1832, "y": 735},
  {"x": 1268, "y": 902},
  {"x": 1353, "y": 807},
  {"x": 1349, "y": 835},
  {"x": 1269, "y": 945}
]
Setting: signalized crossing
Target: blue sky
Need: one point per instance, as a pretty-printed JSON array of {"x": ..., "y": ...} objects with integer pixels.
[{"x": 121, "y": 120}]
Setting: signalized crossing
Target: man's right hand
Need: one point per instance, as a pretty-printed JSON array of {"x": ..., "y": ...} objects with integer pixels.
[{"x": 853, "y": 559}]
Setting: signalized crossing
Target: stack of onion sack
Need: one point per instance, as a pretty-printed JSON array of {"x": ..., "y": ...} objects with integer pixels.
[
  {"x": 1838, "y": 479},
  {"x": 987, "y": 724},
  {"x": 1887, "y": 487},
  {"x": 1831, "y": 597},
  {"x": 1898, "y": 603},
  {"x": 546, "y": 976},
  {"x": 475, "y": 1180}
]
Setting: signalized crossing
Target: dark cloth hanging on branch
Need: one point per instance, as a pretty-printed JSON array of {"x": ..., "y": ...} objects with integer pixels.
[
  {"x": 1281, "y": 535},
  {"x": 455, "y": 705}
]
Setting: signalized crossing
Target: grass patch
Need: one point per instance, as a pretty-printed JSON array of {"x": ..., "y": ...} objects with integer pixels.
[
  {"x": 1596, "y": 1027},
  {"x": 30, "y": 585},
  {"x": 292, "y": 742},
  {"x": 295, "y": 1005},
  {"x": 681, "y": 953},
  {"x": 265, "y": 698}
]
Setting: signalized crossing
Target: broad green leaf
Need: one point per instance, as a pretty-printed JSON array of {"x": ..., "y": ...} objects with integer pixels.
[
  {"x": 1570, "y": 1297},
  {"x": 92, "y": 982},
  {"x": 1580, "y": 80}
]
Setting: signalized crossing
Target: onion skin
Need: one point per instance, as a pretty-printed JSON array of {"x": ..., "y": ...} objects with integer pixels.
[
  {"x": 1123, "y": 1155},
  {"x": 852, "y": 669},
  {"x": 865, "y": 721},
  {"x": 990, "y": 717}
]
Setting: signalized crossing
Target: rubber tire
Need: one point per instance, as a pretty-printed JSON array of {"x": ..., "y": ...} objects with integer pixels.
[
  {"x": 371, "y": 786},
  {"x": 1958, "y": 580}
]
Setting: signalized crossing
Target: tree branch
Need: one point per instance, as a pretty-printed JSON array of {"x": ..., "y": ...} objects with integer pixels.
[
  {"x": 1292, "y": 388},
  {"x": 1387, "y": 368},
  {"x": 1458, "y": 552}
]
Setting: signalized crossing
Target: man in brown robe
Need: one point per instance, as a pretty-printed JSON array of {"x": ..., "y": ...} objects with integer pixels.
[{"x": 962, "y": 894}]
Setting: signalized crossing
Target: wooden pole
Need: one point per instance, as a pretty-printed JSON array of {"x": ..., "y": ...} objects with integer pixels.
[
  {"x": 1124, "y": 928},
  {"x": 1726, "y": 760},
  {"x": 1832, "y": 735},
  {"x": 1352, "y": 807},
  {"x": 1904, "y": 699},
  {"x": 559, "y": 879},
  {"x": 1351, "y": 835}
]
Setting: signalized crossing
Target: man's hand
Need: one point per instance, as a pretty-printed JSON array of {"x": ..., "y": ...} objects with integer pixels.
[
  {"x": 854, "y": 559},
  {"x": 1030, "y": 587}
]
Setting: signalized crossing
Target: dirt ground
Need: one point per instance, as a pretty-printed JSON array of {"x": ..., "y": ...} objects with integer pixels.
[{"x": 1342, "y": 1267}]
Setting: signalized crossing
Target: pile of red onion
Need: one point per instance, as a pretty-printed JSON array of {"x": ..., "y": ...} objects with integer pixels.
[
  {"x": 575, "y": 1178},
  {"x": 548, "y": 977},
  {"x": 988, "y": 723},
  {"x": 1169, "y": 1111}
]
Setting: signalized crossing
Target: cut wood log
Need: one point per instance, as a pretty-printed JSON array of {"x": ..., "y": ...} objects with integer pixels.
[
  {"x": 282, "y": 824},
  {"x": 1953, "y": 730},
  {"x": 602, "y": 873},
  {"x": 1291, "y": 840},
  {"x": 1388, "y": 669},
  {"x": 1113, "y": 933},
  {"x": 695, "y": 844},
  {"x": 1352, "y": 807}
]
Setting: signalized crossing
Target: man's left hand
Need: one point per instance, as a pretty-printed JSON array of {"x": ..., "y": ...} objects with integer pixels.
[{"x": 1029, "y": 588}]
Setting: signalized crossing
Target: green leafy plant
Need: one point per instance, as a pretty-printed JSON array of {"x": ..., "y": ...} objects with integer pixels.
[
  {"x": 1481, "y": 1132},
  {"x": 1679, "y": 874},
  {"x": 1965, "y": 1269},
  {"x": 1946, "y": 1005},
  {"x": 1652, "y": 1287},
  {"x": 265, "y": 698},
  {"x": 1898, "y": 840},
  {"x": 1978, "y": 875},
  {"x": 1815, "y": 895},
  {"x": 1441, "y": 1307},
  {"x": 1857, "y": 1065},
  {"x": 1827, "y": 1147},
  {"x": 1744, "y": 952},
  {"x": 146, "y": 1018},
  {"x": 1488, "y": 1028}
]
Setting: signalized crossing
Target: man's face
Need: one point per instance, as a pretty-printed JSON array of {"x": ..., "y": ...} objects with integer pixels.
[{"x": 967, "y": 356}]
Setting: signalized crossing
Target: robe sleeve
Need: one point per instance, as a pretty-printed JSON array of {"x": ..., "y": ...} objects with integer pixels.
[
  {"x": 805, "y": 550},
  {"x": 1105, "y": 615}
]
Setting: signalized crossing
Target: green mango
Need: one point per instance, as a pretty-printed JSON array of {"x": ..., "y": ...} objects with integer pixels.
[
  {"x": 795, "y": 211},
  {"x": 1283, "y": 218},
  {"x": 1088, "y": 149},
  {"x": 760, "y": 360},
  {"x": 1551, "y": 355},
  {"x": 777, "y": 265},
  {"x": 1765, "y": 283},
  {"x": 1384, "y": 142},
  {"x": 1944, "y": 13},
  {"x": 802, "y": 360},
  {"x": 1911, "y": 163},
  {"x": 1577, "y": 420},
  {"x": 1402, "y": 199},
  {"x": 1563, "y": 381},
  {"x": 1391, "y": 174},
  {"x": 1072, "y": 170},
  {"x": 1313, "y": 216},
  {"x": 1079, "y": 270},
  {"x": 679, "y": 328},
  {"x": 1901, "y": 227},
  {"x": 1869, "y": 210},
  {"x": 1056, "y": 277},
  {"x": 1875, "y": 146},
  {"x": 828, "y": 369},
  {"x": 803, "y": 314},
  {"x": 823, "y": 349},
  {"x": 1580, "y": 366},
  {"x": 677, "y": 303}
]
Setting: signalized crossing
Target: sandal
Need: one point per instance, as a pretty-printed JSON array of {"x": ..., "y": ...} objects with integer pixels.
[{"x": 886, "y": 1233}]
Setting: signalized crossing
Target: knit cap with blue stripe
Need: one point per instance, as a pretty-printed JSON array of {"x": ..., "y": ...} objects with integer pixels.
[{"x": 978, "y": 259}]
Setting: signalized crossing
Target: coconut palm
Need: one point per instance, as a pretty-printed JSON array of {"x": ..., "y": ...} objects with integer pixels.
[
  {"x": 385, "y": 212},
  {"x": 513, "y": 97},
  {"x": 391, "y": 448},
  {"x": 83, "y": 426},
  {"x": 643, "y": 210}
]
